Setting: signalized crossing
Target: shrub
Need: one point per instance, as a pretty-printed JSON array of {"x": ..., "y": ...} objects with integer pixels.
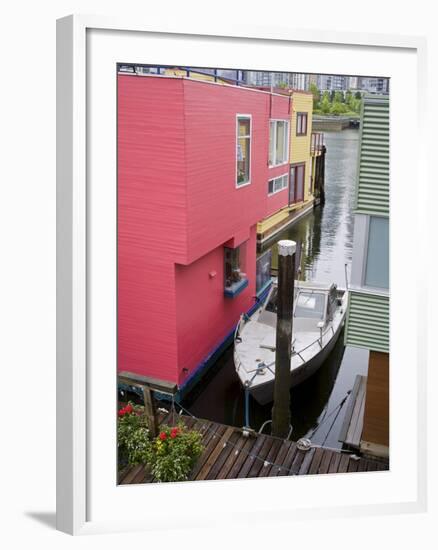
[
  {"x": 133, "y": 434},
  {"x": 171, "y": 455},
  {"x": 174, "y": 452}
]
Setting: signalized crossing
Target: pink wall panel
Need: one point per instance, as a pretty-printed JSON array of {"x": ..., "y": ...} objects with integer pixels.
[
  {"x": 213, "y": 199},
  {"x": 204, "y": 316},
  {"x": 177, "y": 206},
  {"x": 280, "y": 107},
  {"x": 151, "y": 222}
]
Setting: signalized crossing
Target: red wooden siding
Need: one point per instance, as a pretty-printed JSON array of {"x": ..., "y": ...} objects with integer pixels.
[
  {"x": 204, "y": 316},
  {"x": 177, "y": 206},
  {"x": 151, "y": 222}
]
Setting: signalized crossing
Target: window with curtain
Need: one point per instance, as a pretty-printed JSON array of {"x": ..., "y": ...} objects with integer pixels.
[{"x": 278, "y": 142}]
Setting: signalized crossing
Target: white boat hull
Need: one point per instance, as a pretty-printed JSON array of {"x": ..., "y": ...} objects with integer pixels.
[
  {"x": 264, "y": 393},
  {"x": 254, "y": 351}
]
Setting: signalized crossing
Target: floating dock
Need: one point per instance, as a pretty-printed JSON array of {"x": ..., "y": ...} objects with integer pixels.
[
  {"x": 351, "y": 430},
  {"x": 228, "y": 454},
  {"x": 281, "y": 220}
]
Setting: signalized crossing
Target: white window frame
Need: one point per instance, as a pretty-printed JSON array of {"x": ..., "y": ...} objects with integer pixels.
[
  {"x": 360, "y": 256},
  {"x": 277, "y": 178},
  {"x": 286, "y": 121},
  {"x": 242, "y": 116}
]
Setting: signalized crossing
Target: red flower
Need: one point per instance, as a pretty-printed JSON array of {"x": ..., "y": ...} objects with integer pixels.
[
  {"x": 162, "y": 436},
  {"x": 174, "y": 432},
  {"x": 122, "y": 412},
  {"x": 129, "y": 408}
]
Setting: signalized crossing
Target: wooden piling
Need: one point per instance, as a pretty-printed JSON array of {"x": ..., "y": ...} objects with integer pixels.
[
  {"x": 285, "y": 297},
  {"x": 148, "y": 385}
]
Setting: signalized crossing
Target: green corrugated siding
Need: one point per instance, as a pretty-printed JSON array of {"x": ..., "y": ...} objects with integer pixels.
[
  {"x": 368, "y": 322},
  {"x": 373, "y": 171}
]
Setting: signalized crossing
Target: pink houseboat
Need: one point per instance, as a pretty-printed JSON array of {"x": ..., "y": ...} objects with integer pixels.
[{"x": 199, "y": 164}]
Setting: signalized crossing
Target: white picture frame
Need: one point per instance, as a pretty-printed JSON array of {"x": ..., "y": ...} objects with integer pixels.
[{"x": 80, "y": 383}]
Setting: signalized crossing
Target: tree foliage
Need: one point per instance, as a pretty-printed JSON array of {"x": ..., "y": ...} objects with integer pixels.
[
  {"x": 336, "y": 102},
  {"x": 316, "y": 95}
]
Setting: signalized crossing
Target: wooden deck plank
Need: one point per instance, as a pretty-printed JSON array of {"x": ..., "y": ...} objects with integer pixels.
[
  {"x": 228, "y": 454},
  {"x": 257, "y": 464},
  {"x": 270, "y": 458},
  {"x": 296, "y": 464},
  {"x": 287, "y": 464},
  {"x": 241, "y": 458},
  {"x": 210, "y": 431},
  {"x": 343, "y": 464},
  {"x": 130, "y": 475},
  {"x": 212, "y": 437},
  {"x": 314, "y": 467},
  {"x": 353, "y": 465},
  {"x": 349, "y": 410},
  {"x": 307, "y": 461},
  {"x": 189, "y": 421},
  {"x": 357, "y": 433},
  {"x": 371, "y": 466},
  {"x": 279, "y": 459},
  {"x": 325, "y": 462},
  {"x": 214, "y": 455},
  {"x": 334, "y": 463},
  {"x": 227, "y": 450},
  {"x": 247, "y": 465},
  {"x": 354, "y": 431},
  {"x": 232, "y": 457},
  {"x": 142, "y": 475}
]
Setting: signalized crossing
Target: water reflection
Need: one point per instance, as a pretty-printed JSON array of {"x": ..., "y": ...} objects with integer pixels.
[{"x": 326, "y": 235}]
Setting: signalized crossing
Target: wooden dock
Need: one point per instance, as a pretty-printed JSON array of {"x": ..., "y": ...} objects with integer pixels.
[
  {"x": 228, "y": 454},
  {"x": 351, "y": 430}
]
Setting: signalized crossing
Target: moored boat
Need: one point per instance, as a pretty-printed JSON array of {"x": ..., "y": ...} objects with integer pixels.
[{"x": 318, "y": 317}]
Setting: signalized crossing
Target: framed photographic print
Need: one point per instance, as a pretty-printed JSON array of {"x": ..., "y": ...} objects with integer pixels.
[{"x": 232, "y": 242}]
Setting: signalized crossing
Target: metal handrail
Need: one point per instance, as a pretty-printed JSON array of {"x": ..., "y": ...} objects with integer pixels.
[{"x": 268, "y": 365}]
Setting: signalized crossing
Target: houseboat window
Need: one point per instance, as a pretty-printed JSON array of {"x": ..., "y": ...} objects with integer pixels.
[
  {"x": 278, "y": 142},
  {"x": 263, "y": 271},
  {"x": 310, "y": 305},
  {"x": 243, "y": 150},
  {"x": 301, "y": 124},
  {"x": 272, "y": 302},
  {"x": 277, "y": 184},
  {"x": 235, "y": 278},
  {"x": 377, "y": 259}
]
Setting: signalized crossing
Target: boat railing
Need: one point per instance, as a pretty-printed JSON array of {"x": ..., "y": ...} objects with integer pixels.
[
  {"x": 262, "y": 365},
  {"x": 317, "y": 341}
]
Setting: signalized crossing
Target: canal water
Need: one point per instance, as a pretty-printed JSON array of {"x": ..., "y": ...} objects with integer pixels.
[{"x": 326, "y": 236}]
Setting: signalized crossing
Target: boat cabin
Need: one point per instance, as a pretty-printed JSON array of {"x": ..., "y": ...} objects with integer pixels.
[{"x": 313, "y": 307}]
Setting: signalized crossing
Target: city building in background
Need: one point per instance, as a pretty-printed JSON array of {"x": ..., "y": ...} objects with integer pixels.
[{"x": 292, "y": 80}]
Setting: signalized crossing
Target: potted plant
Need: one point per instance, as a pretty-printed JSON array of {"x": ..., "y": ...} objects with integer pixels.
[
  {"x": 170, "y": 456},
  {"x": 174, "y": 452}
]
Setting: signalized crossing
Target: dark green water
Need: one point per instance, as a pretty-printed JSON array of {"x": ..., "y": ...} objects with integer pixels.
[{"x": 326, "y": 235}]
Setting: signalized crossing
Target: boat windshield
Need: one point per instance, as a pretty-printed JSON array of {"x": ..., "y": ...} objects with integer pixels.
[
  {"x": 272, "y": 302},
  {"x": 310, "y": 305}
]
